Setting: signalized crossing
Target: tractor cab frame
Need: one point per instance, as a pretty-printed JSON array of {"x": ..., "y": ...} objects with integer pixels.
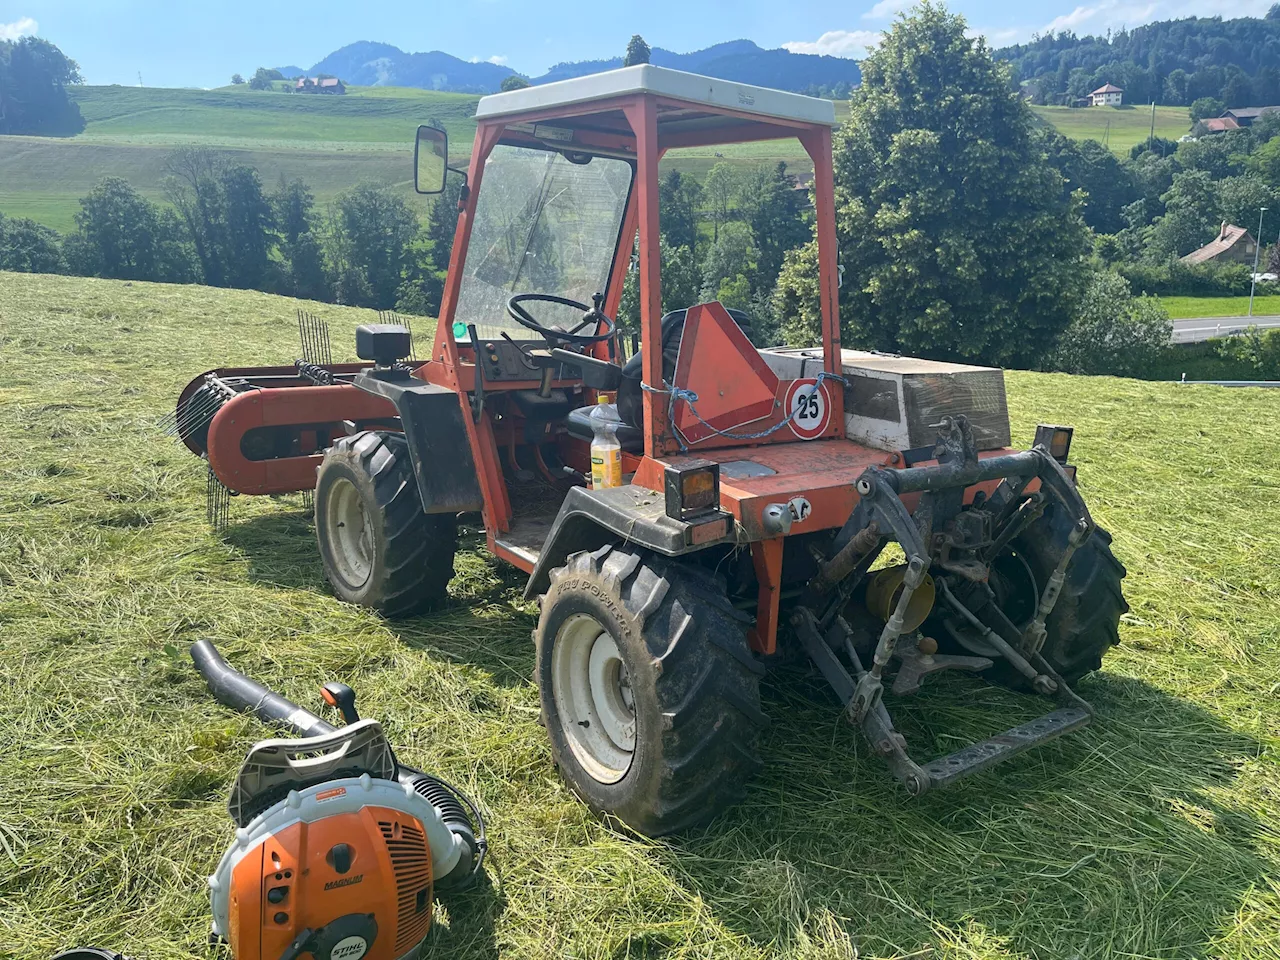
[
  {"x": 635, "y": 116},
  {"x": 758, "y": 483}
]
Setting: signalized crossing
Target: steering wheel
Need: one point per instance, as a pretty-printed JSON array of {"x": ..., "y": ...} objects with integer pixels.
[{"x": 554, "y": 335}]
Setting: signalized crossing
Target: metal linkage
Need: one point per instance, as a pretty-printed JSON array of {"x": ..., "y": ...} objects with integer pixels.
[
  {"x": 881, "y": 516},
  {"x": 1034, "y": 636},
  {"x": 316, "y": 374}
]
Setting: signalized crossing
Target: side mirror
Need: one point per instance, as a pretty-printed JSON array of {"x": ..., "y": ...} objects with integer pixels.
[{"x": 430, "y": 160}]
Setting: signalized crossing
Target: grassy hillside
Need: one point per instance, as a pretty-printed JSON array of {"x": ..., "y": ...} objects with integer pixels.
[
  {"x": 248, "y": 118},
  {"x": 1119, "y": 127},
  {"x": 1154, "y": 833},
  {"x": 44, "y": 179},
  {"x": 331, "y": 142}
]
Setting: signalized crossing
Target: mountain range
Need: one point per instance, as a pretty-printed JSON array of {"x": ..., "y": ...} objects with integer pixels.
[{"x": 380, "y": 64}]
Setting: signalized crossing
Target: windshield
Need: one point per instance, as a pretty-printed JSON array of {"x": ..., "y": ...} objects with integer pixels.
[{"x": 542, "y": 225}]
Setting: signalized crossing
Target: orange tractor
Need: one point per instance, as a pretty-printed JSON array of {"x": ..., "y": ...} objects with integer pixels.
[{"x": 759, "y": 484}]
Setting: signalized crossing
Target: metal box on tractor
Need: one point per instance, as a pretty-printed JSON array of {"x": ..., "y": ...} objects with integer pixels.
[{"x": 761, "y": 486}]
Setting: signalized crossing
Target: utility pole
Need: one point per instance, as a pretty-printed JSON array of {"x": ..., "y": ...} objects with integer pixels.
[
  {"x": 1257, "y": 249},
  {"x": 1151, "y": 136}
]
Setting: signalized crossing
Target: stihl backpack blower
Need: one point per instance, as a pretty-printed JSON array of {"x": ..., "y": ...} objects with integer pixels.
[{"x": 339, "y": 847}]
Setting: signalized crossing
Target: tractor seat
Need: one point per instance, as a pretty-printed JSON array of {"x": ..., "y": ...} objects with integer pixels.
[{"x": 578, "y": 423}]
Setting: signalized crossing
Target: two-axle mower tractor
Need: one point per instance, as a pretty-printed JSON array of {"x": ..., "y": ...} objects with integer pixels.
[{"x": 760, "y": 484}]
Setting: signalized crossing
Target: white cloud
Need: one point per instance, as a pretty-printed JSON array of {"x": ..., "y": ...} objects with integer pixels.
[
  {"x": 885, "y": 9},
  {"x": 498, "y": 59},
  {"x": 837, "y": 43},
  {"x": 22, "y": 27}
]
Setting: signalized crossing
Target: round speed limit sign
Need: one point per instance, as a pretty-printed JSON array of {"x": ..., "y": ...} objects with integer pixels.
[{"x": 810, "y": 409}]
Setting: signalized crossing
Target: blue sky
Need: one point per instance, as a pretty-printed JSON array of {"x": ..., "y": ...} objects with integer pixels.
[{"x": 200, "y": 44}]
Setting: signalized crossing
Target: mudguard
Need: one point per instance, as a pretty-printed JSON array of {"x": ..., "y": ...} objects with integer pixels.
[
  {"x": 437, "y": 436},
  {"x": 629, "y": 514}
]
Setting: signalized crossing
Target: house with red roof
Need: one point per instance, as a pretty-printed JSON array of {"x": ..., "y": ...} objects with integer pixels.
[{"x": 1232, "y": 245}]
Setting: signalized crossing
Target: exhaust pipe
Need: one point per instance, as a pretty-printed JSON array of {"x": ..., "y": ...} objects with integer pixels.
[{"x": 235, "y": 690}]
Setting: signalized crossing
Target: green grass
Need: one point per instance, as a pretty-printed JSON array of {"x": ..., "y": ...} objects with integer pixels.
[
  {"x": 331, "y": 142},
  {"x": 1119, "y": 127},
  {"x": 256, "y": 119},
  {"x": 44, "y": 179},
  {"x": 1155, "y": 833},
  {"x": 1187, "y": 307}
]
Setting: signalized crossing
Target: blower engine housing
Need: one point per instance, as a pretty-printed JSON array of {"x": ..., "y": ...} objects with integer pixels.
[{"x": 337, "y": 851}]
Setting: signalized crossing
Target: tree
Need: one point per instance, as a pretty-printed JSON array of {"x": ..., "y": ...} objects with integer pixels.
[
  {"x": 1175, "y": 88},
  {"x": 236, "y": 79},
  {"x": 779, "y": 224},
  {"x": 681, "y": 281},
  {"x": 796, "y": 298},
  {"x": 678, "y": 200},
  {"x": 513, "y": 82},
  {"x": 29, "y": 247},
  {"x": 637, "y": 51},
  {"x": 719, "y": 189},
  {"x": 1222, "y": 155},
  {"x": 34, "y": 76},
  {"x": 263, "y": 78},
  {"x": 1089, "y": 166},
  {"x": 1265, "y": 162},
  {"x": 247, "y": 237},
  {"x": 421, "y": 292},
  {"x": 1205, "y": 107},
  {"x": 1240, "y": 199},
  {"x": 731, "y": 256},
  {"x": 228, "y": 217},
  {"x": 372, "y": 232},
  {"x": 121, "y": 234},
  {"x": 958, "y": 239},
  {"x": 1114, "y": 332}
]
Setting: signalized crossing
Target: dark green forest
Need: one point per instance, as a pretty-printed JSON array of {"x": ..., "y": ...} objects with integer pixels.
[{"x": 1174, "y": 62}]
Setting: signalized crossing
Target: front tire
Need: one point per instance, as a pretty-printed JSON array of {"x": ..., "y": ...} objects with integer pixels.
[
  {"x": 649, "y": 690},
  {"x": 378, "y": 548}
]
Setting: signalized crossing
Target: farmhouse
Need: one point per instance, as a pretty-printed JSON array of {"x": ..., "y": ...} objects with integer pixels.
[
  {"x": 1244, "y": 116},
  {"x": 1231, "y": 245},
  {"x": 1107, "y": 96},
  {"x": 330, "y": 85},
  {"x": 1212, "y": 125}
]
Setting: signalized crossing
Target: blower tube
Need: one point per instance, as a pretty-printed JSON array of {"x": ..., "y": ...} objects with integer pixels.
[
  {"x": 240, "y": 693},
  {"x": 235, "y": 690}
]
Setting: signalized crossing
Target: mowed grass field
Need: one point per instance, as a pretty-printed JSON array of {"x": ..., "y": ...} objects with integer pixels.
[
  {"x": 1155, "y": 833},
  {"x": 1120, "y": 128}
]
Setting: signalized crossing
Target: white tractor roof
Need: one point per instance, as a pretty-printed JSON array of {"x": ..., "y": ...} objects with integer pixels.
[{"x": 676, "y": 84}]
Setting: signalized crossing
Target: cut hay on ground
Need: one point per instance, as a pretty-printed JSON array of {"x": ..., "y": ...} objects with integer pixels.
[{"x": 1154, "y": 833}]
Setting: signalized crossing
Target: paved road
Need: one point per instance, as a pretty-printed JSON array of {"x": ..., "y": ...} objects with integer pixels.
[{"x": 1203, "y": 328}]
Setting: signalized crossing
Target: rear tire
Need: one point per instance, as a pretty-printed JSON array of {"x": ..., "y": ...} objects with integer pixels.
[
  {"x": 378, "y": 548},
  {"x": 649, "y": 691},
  {"x": 1085, "y": 622}
]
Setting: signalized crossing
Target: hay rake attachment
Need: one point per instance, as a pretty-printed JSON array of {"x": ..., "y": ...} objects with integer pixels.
[{"x": 273, "y": 434}]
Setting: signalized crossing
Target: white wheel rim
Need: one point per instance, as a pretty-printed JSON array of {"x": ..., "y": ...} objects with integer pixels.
[
  {"x": 350, "y": 533},
  {"x": 593, "y": 698}
]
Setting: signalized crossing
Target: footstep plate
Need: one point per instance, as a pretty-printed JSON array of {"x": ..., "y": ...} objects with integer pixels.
[{"x": 946, "y": 770}]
